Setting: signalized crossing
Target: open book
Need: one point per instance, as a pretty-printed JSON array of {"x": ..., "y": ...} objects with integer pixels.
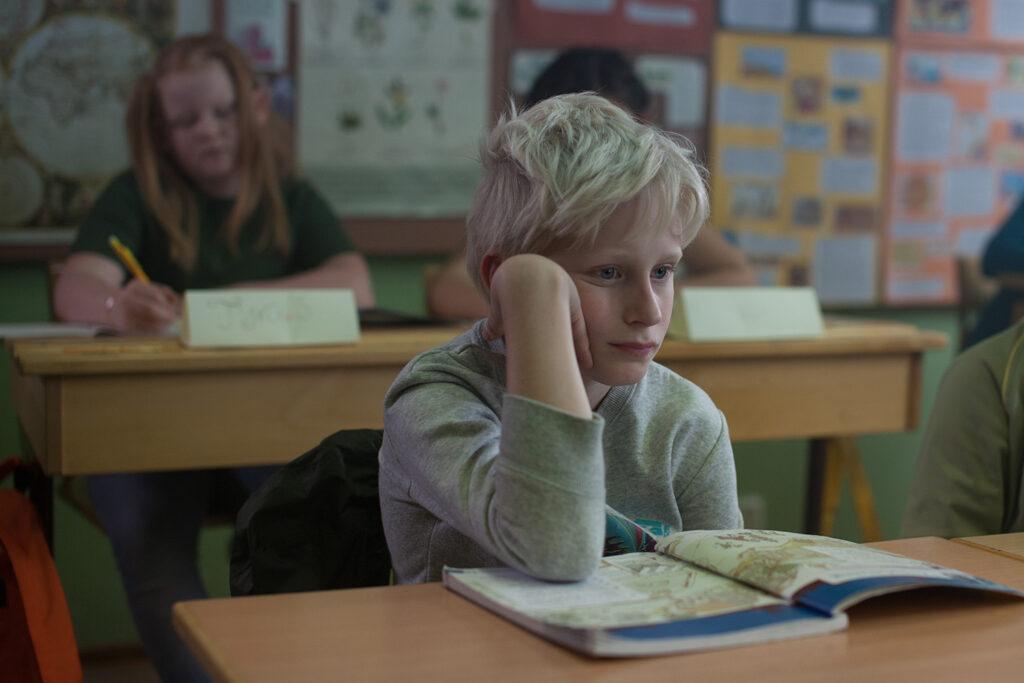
[{"x": 706, "y": 589}]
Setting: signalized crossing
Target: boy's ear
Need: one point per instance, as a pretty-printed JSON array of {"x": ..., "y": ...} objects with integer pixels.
[{"x": 488, "y": 265}]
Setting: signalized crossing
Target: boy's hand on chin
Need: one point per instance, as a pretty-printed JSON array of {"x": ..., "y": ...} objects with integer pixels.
[{"x": 530, "y": 285}]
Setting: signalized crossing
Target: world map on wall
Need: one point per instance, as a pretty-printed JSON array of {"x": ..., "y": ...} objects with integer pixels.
[
  {"x": 65, "y": 83},
  {"x": 68, "y": 81}
]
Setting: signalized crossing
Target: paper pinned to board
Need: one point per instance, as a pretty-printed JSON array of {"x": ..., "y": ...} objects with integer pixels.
[
  {"x": 269, "y": 317},
  {"x": 745, "y": 313}
]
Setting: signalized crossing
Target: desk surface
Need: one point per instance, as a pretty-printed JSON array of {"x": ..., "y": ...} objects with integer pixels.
[
  {"x": 121, "y": 355},
  {"x": 176, "y": 408},
  {"x": 133, "y": 355},
  {"x": 426, "y": 633},
  {"x": 1009, "y": 545}
]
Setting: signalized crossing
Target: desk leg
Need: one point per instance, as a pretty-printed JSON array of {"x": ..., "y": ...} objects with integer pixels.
[
  {"x": 817, "y": 464},
  {"x": 31, "y": 480},
  {"x": 860, "y": 488},
  {"x": 832, "y": 460}
]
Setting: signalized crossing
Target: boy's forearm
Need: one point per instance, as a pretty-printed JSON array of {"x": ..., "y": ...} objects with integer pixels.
[
  {"x": 519, "y": 480},
  {"x": 541, "y": 356}
]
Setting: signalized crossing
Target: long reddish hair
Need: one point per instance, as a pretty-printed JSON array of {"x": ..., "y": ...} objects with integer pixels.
[{"x": 165, "y": 188}]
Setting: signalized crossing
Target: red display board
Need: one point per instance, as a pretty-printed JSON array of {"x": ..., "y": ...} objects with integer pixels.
[{"x": 678, "y": 26}]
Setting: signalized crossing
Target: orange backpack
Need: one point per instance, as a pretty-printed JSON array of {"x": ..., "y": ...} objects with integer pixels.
[{"x": 37, "y": 642}]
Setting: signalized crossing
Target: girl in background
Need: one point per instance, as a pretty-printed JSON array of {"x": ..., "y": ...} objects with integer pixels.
[{"x": 208, "y": 202}]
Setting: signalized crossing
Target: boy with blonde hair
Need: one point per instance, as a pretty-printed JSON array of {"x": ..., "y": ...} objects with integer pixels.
[{"x": 545, "y": 436}]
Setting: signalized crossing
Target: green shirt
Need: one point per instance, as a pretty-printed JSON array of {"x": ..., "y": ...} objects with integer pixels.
[
  {"x": 970, "y": 472},
  {"x": 121, "y": 210}
]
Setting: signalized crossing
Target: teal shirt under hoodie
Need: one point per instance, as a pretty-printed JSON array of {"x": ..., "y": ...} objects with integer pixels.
[{"x": 472, "y": 476}]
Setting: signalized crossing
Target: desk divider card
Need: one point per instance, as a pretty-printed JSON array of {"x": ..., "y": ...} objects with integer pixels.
[
  {"x": 706, "y": 589},
  {"x": 745, "y": 313},
  {"x": 269, "y": 317}
]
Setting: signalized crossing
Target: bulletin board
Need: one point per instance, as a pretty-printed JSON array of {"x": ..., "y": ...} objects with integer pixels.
[
  {"x": 290, "y": 44},
  {"x": 393, "y": 99},
  {"x": 525, "y": 36},
  {"x": 668, "y": 41},
  {"x": 797, "y": 149},
  {"x": 958, "y": 165},
  {"x": 857, "y": 18},
  {"x": 957, "y": 155},
  {"x": 677, "y": 84}
]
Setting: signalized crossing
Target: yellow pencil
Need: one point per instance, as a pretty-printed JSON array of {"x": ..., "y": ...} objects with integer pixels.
[{"x": 127, "y": 258}]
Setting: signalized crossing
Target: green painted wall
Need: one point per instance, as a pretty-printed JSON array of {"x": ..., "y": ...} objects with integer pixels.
[{"x": 775, "y": 470}]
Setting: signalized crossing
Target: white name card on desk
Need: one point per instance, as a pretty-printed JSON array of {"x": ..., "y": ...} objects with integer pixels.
[
  {"x": 745, "y": 313},
  {"x": 269, "y": 317}
]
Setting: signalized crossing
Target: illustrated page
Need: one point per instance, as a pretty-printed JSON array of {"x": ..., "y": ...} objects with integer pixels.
[
  {"x": 782, "y": 563},
  {"x": 627, "y": 590}
]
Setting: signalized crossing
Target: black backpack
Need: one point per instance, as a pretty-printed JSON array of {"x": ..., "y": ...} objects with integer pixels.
[{"x": 315, "y": 524}]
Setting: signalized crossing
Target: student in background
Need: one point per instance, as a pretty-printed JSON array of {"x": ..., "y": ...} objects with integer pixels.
[
  {"x": 709, "y": 259},
  {"x": 207, "y": 203},
  {"x": 1003, "y": 260},
  {"x": 970, "y": 472},
  {"x": 545, "y": 436}
]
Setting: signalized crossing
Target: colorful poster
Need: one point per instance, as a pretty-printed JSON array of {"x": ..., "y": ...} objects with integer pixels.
[
  {"x": 797, "y": 158},
  {"x": 962, "y": 22},
  {"x": 392, "y": 101},
  {"x": 957, "y": 165},
  {"x": 679, "y": 26},
  {"x": 858, "y": 18}
]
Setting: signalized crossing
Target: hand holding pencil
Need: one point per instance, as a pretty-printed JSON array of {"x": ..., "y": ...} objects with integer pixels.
[{"x": 141, "y": 305}]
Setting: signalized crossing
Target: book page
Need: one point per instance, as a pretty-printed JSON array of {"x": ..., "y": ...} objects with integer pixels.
[
  {"x": 783, "y": 563},
  {"x": 626, "y": 590}
]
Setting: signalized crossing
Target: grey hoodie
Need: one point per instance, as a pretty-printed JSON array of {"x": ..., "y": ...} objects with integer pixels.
[{"x": 471, "y": 476}]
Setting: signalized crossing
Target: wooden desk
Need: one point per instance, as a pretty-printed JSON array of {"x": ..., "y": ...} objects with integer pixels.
[
  {"x": 100, "y": 405},
  {"x": 425, "y": 633},
  {"x": 130, "y": 404},
  {"x": 1008, "y": 545}
]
